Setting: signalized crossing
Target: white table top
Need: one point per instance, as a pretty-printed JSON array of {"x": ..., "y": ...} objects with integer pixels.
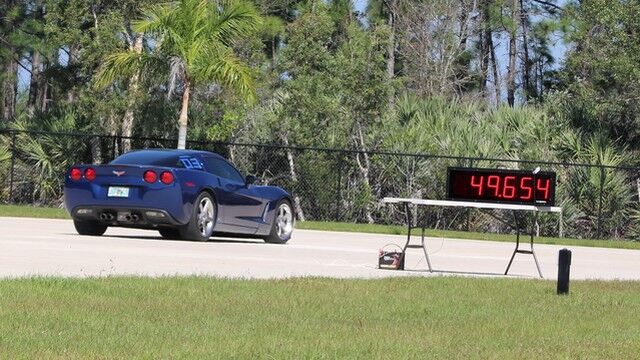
[{"x": 472, "y": 204}]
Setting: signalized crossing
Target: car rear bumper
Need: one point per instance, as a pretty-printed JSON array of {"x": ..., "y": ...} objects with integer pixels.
[
  {"x": 80, "y": 198},
  {"x": 125, "y": 216}
]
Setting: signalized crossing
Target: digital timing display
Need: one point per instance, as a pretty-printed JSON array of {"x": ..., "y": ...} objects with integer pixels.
[{"x": 502, "y": 186}]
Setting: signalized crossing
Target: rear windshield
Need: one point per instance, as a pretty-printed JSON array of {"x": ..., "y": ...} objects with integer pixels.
[{"x": 155, "y": 158}]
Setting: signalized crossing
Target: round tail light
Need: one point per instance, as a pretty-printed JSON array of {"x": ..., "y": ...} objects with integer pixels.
[
  {"x": 90, "y": 174},
  {"x": 150, "y": 176},
  {"x": 75, "y": 174},
  {"x": 166, "y": 177}
]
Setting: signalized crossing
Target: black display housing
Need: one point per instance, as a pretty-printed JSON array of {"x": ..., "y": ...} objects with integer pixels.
[{"x": 501, "y": 186}]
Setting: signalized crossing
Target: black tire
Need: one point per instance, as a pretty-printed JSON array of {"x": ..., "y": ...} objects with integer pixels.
[
  {"x": 92, "y": 228},
  {"x": 280, "y": 234},
  {"x": 169, "y": 234},
  {"x": 193, "y": 230}
]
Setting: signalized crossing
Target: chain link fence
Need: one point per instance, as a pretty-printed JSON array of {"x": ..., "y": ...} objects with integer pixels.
[{"x": 341, "y": 185}]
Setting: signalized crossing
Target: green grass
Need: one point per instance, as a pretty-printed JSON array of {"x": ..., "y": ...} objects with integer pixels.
[
  {"x": 33, "y": 212},
  {"x": 55, "y": 213},
  {"x": 420, "y": 318}
]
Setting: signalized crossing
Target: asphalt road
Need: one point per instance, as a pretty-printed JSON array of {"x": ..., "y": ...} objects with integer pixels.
[{"x": 52, "y": 248}]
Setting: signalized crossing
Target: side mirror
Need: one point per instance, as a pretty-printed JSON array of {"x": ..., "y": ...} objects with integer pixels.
[{"x": 250, "y": 179}]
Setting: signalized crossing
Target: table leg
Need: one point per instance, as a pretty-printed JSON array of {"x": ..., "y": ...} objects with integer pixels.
[
  {"x": 517, "y": 221},
  {"x": 404, "y": 248},
  {"x": 424, "y": 248},
  {"x": 408, "y": 242},
  {"x": 535, "y": 258},
  {"x": 517, "y": 249}
]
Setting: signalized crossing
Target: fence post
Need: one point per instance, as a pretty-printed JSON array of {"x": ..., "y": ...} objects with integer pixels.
[
  {"x": 339, "y": 188},
  {"x": 599, "y": 228},
  {"x": 469, "y": 209},
  {"x": 13, "y": 164}
]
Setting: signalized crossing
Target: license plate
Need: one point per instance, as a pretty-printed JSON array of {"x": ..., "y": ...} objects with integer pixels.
[{"x": 118, "y": 191}]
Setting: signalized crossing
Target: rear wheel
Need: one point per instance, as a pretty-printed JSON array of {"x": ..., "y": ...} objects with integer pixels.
[
  {"x": 282, "y": 226},
  {"x": 203, "y": 219},
  {"x": 92, "y": 228},
  {"x": 169, "y": 234}
]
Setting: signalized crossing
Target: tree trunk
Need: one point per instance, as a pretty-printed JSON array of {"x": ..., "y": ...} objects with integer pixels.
[
  {"x": 462, "y": 67},
  {"x": 511, "y": 73},
  {"x": 73, "y": 54},
  {"x": 182, "y": 132},
  {"x": 496, "y": 76},
  {"x": 465, "y": 22},
  {"x": 297, "y": 205},
  {"x": 36, "y": 74},
  {"x": 485, "y": 53},
  {"x": 112, "y": 128},
  {"x": 10, "y": 69},
  {"x": 391, "y": 46},
  {"x": 529, "y": 90},
  {"x": 34, "y": 86},
  {"x": 44, "y": 98},
  {"x": 44, "y": 95},
  {"x": 134, "y": 86},
  {"x": 96, "y": 150},
  {"x": 484, "y": 63},
  {"x": 364, "y": 167},
  {"x": 273, "y": 52},
  {"x": 10, "y": 88}
]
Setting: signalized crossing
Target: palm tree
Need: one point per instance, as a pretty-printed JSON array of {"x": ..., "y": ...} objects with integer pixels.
[{"x": 195, "y": 38}]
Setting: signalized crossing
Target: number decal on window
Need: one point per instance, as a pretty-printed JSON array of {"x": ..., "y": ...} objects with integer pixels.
[{"x": 191, "y": 163}]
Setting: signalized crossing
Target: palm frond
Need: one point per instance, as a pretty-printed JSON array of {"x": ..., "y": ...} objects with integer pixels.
[
  {"x": 223, "y": 66},
  {"x": 44, "y": 158},
  {"x": 5, "y": 152},
  {"x": 156, "y": 18},
  {"x": 235, "y": 18},
  {"x": 117, "y": 66}
]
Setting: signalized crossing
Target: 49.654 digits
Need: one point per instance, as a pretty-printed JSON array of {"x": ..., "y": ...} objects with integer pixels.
[{"x": 509, "y": 186}]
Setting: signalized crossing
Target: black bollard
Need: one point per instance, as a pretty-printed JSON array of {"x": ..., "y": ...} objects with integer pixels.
[{"x": 564, "y": 267}]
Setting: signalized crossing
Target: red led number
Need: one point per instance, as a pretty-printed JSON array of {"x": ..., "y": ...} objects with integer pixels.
[
  {"x": 477, "y": 185},
  {"x": 509, "y": 191},
  {"x": 525, "y": 185},
  {"x": 544, "y": 185},
  {"x": 510, "y": 187},
  {"x": 493, "y": 182}
]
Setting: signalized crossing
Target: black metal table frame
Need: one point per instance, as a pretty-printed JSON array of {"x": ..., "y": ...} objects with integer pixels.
[{"x": 422, "y": 245}]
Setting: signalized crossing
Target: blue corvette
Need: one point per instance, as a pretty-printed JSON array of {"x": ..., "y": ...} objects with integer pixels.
[{"x": 184, "y": 194}]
